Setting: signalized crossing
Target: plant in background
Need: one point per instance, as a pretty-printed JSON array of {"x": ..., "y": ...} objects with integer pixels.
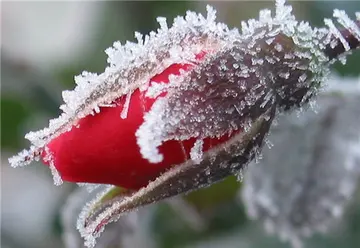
[
  {"x": 307, "y": 190},
  {"x": 184, "y": 107}
]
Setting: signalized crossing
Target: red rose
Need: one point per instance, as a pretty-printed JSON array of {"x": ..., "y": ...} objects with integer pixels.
[{"x": 103, "y": 149}]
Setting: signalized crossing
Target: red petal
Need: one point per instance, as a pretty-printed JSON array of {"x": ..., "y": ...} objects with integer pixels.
[{"x": 104, "y": 149}]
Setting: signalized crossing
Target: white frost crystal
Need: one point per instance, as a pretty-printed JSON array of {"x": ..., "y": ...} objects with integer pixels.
[
  {"x": 125, "y": 110},
  {"x": 334, "y": 31},
  {"x": 196, "y": 152},
  {"x": 345, "y": 21}
]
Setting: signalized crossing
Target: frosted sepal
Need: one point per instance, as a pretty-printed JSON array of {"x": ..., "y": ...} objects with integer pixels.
[{"x": 217, "y": 163}]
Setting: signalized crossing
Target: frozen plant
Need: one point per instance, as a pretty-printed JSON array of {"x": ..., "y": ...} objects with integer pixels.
[
  {"x": 304, "y": 183},
  {"x": 184, "y": 107}
]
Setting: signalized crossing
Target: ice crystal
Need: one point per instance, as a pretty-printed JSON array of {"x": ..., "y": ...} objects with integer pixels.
[
  {"x": 196, "y": 152},
  {"x": 346, "y": 22},
  {"x": 334, "y": 31},
  {"x": 125, "y": 110}
]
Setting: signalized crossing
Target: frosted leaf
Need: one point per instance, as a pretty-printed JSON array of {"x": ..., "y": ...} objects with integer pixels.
[
  {"x": 222, "y": 160},
  {"x": 296, "y": 197},
  {"x": 178, "y": 116}
]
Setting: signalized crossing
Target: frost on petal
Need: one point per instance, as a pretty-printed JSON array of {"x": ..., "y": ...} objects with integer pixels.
[
  {"x": 125, "y": 110},
  {"x": 306, "y": 180},
  {"x": 56, "y": 175},
  {"x": 196, "y": 152},
  {"x": 217, "y": 163}
]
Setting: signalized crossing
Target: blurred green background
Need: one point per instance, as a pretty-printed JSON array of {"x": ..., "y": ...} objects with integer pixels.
[{"x": 44, "y": 45}]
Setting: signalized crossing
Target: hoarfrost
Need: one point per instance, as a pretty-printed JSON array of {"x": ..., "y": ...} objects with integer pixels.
[
  {"x": 163, "y": 23},
  {"x": 196, "y": 152},
  {"x": 278, "y": 47},
  {"x": 345, "y": 21},
  {"x": 125, "y": 109},
  {"x": 56, "y": 176},
  {"x": 269, "y": 41},
  {"x": 334, "y": 31}
]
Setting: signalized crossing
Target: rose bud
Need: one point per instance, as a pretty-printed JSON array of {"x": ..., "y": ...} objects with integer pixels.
[
  {"x": 179, "y": 110},
  {"x": 104, "y": 148}
]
